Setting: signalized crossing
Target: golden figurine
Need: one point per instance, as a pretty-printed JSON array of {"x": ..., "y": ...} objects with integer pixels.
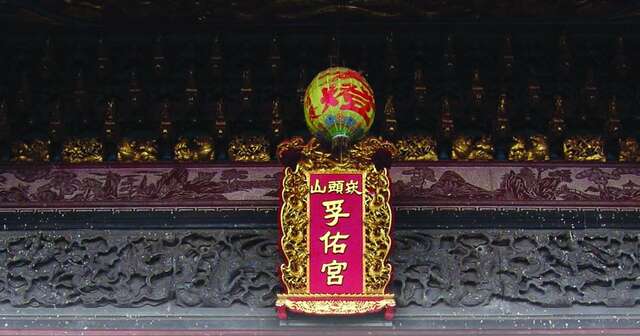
[
  {"x": 539, "y": 148},
  {"x": 536, "y": 149},
  {"x": 518, "y": 150},
  {"x": 137, "y": 150},
  {"x": 197, "y": 149},
  {"x": 82, "y": 150},
  {"x": 417, "y": 148},
  {"x": 482, "y": 149},
  {"x": 34, "y": 151},
  {"x": 249, "y": 149},
  {"x": 629, "y": 150},
  {"x": 461, "y": 147},
  {"x": 466, "y": 148},
  {"x": 584, "y": 148}
]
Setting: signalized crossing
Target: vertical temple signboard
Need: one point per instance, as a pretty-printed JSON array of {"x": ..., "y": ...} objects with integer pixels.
[
  {"x": 336, "y": 232},
  {"x": 335, "y": 225}
]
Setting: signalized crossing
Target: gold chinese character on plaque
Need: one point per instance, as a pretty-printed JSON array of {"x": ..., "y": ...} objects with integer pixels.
[
  {"x": 336, "y": 187},
  {"x": 332, "y": 242},
  {"x": 352, "y": 187},
  {"x": 333, "y": 211},
  {"x": 334, "y": 270},
  {"x": 317, "y": 189}
]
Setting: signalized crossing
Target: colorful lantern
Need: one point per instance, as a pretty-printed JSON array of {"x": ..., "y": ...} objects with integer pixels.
[{"x": 339, "y": 105}]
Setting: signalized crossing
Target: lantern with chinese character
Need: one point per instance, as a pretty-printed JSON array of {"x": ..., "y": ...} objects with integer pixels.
[{"x": 339, "y": 106}]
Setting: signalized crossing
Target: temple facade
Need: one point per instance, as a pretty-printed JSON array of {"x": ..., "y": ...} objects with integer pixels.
[{"x": 140, "y": 184}]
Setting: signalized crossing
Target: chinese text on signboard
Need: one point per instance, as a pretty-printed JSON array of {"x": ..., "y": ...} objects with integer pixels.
[{"x": 336, "y": 233}]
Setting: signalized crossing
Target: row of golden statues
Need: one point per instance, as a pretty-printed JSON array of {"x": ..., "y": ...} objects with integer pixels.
[
  {"x": 532, "y": 148},
  {"x": 88, "y": 150},
  {"x": 257, "y": 149},
  {"x": 522, "y": 148}
]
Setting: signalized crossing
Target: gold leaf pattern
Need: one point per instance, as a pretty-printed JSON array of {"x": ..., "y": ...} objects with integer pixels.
[
  {"x": 535, "y": 149},
  {"x": 335, "y": 306},
  {"x": 467, "y": 148},
  {"x": 137, "y": 150},
  {"x": 417, "y": 148},
  {"x": 584, "y": 148},
  {"x": 249, "y": 149},
  {"x": 82, "y": 150},
  {"x": 197, "y": 149},
  {"x": 34, "y": 151},
  {"x": 629, "y": 150}
]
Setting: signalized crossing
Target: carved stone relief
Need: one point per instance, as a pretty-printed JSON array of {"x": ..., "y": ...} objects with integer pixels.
[{"x": 221, "y": 268}]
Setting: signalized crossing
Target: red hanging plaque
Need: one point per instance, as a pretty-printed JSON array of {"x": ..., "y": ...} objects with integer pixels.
[{"x": 335, "y": 223}]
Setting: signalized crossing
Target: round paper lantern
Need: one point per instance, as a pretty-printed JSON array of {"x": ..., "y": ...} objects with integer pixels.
[{"x": 339, "y": 105}]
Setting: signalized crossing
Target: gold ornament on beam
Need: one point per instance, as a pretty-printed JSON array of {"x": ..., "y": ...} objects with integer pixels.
[
  {"x": 336, "y": 307},
  {"x": 137, "y": 150},
  {"x": 249, "y": 149},
  {"x": 197, "y": 149},
  {"x": 417, "y": 148},
  {"x": 629, "y": 150},
  {"x": 584, "y": 148},
  {"x": 33, "y": 151},
  {"x": 467, "y": 148},
  {"x": 535, "y": 149},
  {"x": 82, "y": 150}
]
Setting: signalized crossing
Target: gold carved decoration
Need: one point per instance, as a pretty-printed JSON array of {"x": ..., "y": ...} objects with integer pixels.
[
  {"x": 137, "y": 150},
  {"x": 536, "y": 149},
  {"x": 584, "y": 148},
  {"x": 629, "y": 150},
  {"x": 197, "y": 149},
  {"x": 294, "y": 220},
  {"x": 466, "y": 148},
  {"x": 34, "y": 151},
  {"x": 249, "y": 149},
  {"x": 417, "y": 148},
  {"x": 293, "y": 144},
  {"x": 336, "y": 307},
  {"x": 82, "y": 150}
]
